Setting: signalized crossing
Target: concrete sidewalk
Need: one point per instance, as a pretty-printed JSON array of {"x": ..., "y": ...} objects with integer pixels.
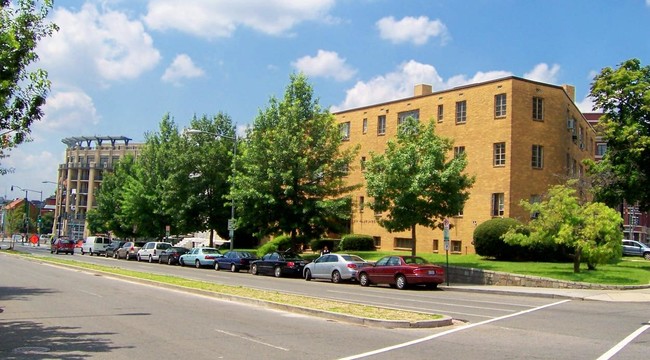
[{"x": 628, "y": 295}]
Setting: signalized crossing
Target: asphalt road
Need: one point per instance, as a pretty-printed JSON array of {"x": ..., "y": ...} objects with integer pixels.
[{"x": 74, "y": 314}]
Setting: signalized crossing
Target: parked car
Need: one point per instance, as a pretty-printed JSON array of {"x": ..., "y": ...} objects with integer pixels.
[
  {"x": 635, "y": 248},
  {"x": 62, "y": 245},
  {"x": 235, "y": 261},
  {"x": 45, "y": 238},
  {"x": 95, "y": 245},
  {"x": 130, "y": 249},
  {"x": 171, "y": 255},
  {"x": 336, "y": 267},
  {"x": 401, "y": 271},
  {"x": 287, "y": 263},
  {"x": 151, "y": 250},
  {"x": 111, "y": 250},
  {"x": 200, "y": 256}
]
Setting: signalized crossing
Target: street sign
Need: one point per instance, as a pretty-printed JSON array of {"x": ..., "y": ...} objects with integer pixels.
[
  {"x": 445, "y": 223},
  {"x": 232, "y": 225}
]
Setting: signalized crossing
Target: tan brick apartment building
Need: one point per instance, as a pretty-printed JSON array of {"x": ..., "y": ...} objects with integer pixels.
[
  {"x": 520, "y": 137},
  {"x": 86, "y": 160}
]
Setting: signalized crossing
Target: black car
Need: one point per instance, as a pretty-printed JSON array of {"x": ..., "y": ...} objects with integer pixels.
[
  {"x": 235, "y": 261},
  {"x": 111, "y": 250},
  {"x": 171, "y": 255},
  {"x": 287, "y": 263}
]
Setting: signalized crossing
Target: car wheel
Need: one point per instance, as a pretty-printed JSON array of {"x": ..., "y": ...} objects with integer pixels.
[
  {"x": 646, "y": 256},
  {"x": 150, "y": 259},
  {"x": 82, "y": 252},
  {"x": 307, "y": 274},
  {"x": 400, "y": 282},
  {"x": 364, "y": 280},
  {"x": 336, "y": 277},
  {"x": 115, "y": 255},
  {"x": 90, "y": 252},
  {"x": 197, "y": 264},
  {"x": 216, "y": 266},
  {"x": 277, "y": 271},
  {"x": 233, "y": 268},
  {"x": 138, "y": 258},
  {"x": 254, "y": 269},
  {"x": 181, "y": 262},
  {"x": 160, "y": 259},
  {"x": 169, "y": 260},
  {"x": 57, "y": 251},
  {"x": 51, "y": 251}
]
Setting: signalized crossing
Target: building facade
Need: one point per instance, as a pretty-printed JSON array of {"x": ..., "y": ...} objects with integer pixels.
[
  {"x": 87, "y": 159},
  {"x": 520, "y": 137}
]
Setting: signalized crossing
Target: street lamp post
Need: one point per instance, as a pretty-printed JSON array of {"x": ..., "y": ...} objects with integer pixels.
[
  {"x": 57, "y": 222},
  {"x": 231, "y": 221},
  {"x": 27, "y": 207}
]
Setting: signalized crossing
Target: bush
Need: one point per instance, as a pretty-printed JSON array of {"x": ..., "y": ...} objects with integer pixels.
[
  {"x": 279, "y": 243},
  {"x": 357, "y": 242},
  {"x": 488, "y": 242}
]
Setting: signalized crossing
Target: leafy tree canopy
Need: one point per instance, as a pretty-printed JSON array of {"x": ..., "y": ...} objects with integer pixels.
[
  {"x": 592, "y": 230},
  {"x": 290, "y": 175},
  {"x": 414, "y": 183},
  {"x": 22, "y": 89},
  {"x": 623, "y": 94}
]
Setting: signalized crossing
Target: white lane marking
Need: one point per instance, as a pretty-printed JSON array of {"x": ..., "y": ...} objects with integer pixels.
[
  {"x": 431, "y": 337},
  {"x": 251, "y": 340},
  {"x": 90, "y": 293},
  {"x": 613, "y": 351}
]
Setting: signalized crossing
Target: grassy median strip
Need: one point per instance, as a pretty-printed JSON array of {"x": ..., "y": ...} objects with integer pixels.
[{"x": 334, "y": 306}]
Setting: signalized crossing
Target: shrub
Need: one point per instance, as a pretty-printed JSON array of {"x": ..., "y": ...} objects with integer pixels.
[
  {"x": 357, "y": 242},
  {"x": 317, "y": 245},
  {"x": 279, "y": 243},
  {"x": 488, "y": 242}
]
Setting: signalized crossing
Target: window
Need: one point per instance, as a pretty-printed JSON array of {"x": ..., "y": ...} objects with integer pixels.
[
  {"x": 497, "y": 204},
  {"x": 345, "y": 130},
  {"x": 500, "y": 105},
  {"x": 403, "y": 243},
  {"x": 377, "y": 241},
  {"x": 455, "y": 246},
  {"x": 461, "y": 213},
  {"x": 436, "y": 245},
  {"x": 363, "y": 163},
  {"x": 500, "y": 154},
  {"x": 535, "y": 199},
  {"x": 381, "y": 125},
  {"x": 441, "y": 112},
  {"x": 600, "y": 149},
  {"x": 461, "y": 112},
  {"x": 365, "y": 125},
  {"x": 538, "y": 157},
  {"x": 362, "y": 203},
  {"x": 415, "y": 114},
  {"x": 458, "y": 150},
  {"x": 538, "y": 108}
]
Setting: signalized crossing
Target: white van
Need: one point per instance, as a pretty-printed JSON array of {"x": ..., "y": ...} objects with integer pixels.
[{"x": 95, "y": 245}]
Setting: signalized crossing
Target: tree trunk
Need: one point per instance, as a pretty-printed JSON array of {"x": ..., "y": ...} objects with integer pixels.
[
  {"x": 576, "y": 260},
  {"x": 414, "y": 241}
]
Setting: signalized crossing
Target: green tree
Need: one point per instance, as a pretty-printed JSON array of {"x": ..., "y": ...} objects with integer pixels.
[
  {"x": 414, "y": 182},
  {"x": 200, "y": 185},
  {"x": 591, "y": 230},
  {"x": 291, "y": 171},
  {"x": 23, "y": 89},
  {"x": 623, "y": 94},
  {"x": 108, "y": 215}
]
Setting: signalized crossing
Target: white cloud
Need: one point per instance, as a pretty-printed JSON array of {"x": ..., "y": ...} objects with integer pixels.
[
  {"x": 91, "y": 43},
  {"x": 68, "y": 111},
  {"x": 182, "y": 68},
  {"x": 542, "y": 72},
  {"x": 220, "y": 18},
  {"x": 325, "y": 64},
  {"x": 410, "y": 29},
  {"x": 400, "y": 83},
  {"x": 32, "y": 165},
  {"x": 587, "y": 104}
]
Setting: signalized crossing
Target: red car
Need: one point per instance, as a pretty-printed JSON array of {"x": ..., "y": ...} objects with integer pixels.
[
  {"x": 402, "y": 271},
  {"x": 61, "y": 245}
]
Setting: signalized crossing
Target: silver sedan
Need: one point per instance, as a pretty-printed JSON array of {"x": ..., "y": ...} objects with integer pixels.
[{"x": 336, "y": 267}]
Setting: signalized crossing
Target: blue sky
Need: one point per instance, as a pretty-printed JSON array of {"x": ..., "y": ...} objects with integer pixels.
[{"x": 117, "y": 66}]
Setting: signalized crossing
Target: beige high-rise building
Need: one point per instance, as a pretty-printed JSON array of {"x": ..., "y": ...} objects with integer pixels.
[
  {"x": 87, "y": 158},
  {"x": 520, "y": 137}
]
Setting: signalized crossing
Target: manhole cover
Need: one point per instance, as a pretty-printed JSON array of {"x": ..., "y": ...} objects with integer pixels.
[{"x": 31, "y": 350}]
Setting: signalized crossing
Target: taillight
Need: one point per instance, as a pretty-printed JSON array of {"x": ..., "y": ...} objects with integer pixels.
[
  {"x": 209, "y": 257},
  {"x": 352, "y": 266},
  {"x": 291, "y": 264}
]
